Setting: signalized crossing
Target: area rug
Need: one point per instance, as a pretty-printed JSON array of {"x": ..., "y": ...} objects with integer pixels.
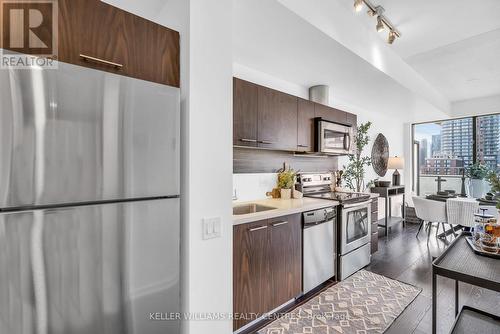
[{"x": 362, "y": 304}]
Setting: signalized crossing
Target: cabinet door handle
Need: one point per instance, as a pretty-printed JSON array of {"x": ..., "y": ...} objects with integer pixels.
[
  {"x": 300, "y": 145},
  {"x": 347, "y": 142},
  {"x": 266, "y": 142},
  {"x": 101, "y": 61},
  {"x": 245, "y": 140},
  {"x": 279, "y": 224},
  {"x": 258, "y": 228}
]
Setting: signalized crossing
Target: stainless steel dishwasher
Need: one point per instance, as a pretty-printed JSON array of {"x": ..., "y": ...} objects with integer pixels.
[{"x": 319, "y": 251}]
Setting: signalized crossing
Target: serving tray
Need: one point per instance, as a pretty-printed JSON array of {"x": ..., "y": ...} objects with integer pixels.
[
  {"x": 484, "y": 201},
  {"x": 478, "y": 249}
]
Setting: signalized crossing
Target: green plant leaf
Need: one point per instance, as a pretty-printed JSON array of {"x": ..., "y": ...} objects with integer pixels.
[{"x": 354, "y": 172}]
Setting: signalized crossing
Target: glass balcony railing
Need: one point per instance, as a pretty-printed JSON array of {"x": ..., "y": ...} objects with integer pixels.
[{"x": 429, "y": 185}]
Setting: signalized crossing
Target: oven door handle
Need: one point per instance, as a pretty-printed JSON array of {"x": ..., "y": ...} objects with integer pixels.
[{"x": 347, "y": 206}]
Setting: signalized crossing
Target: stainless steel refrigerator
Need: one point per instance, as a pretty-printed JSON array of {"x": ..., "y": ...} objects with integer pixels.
[{"x": 89, "y": 203}]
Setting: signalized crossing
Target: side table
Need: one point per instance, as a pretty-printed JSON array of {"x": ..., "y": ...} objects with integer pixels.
[{"x": 388, "y": 193}]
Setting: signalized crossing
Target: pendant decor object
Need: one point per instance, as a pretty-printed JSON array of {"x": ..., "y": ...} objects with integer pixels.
[{"x": 380, "y": 155}]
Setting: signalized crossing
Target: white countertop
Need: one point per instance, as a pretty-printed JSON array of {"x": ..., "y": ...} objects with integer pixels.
[{"x": 283, "y": 207}]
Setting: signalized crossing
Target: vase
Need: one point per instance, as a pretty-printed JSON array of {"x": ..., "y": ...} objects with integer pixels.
[
  {"x": 478, "y": 188},
  {"x": 286, "y": 193}
]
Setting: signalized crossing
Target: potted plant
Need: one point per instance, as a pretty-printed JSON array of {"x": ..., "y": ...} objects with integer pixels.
[
  {"x": 371, "y": 184},
  {"x": 354, "y": 172},
  {"x": 494, "y": 180},
  {"x": 286, "y": 181},
  {"x": 477, "y": 174}
]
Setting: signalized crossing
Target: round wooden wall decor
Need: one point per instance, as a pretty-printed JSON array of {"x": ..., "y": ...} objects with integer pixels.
[{"x": 380, "y": 155}]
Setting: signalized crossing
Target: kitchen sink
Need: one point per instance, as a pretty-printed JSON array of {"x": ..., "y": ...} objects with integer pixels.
[{"x": 250, "y": 208}]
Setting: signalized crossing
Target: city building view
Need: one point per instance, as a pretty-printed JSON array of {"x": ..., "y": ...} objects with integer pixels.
[
  {"x": 488, "y": 141},
  {"x": 442, "y": 164},
  {"x": 457, "y": 140},
  {"x": 447, "y": 147}
]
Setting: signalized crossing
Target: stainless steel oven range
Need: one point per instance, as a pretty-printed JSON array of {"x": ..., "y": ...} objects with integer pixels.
[{"x": 353, "y": 222}]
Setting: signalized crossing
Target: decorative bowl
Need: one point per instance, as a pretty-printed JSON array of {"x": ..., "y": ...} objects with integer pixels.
[{"x": 383, "y": 184}]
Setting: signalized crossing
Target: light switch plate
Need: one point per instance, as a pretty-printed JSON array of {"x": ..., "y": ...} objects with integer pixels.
[{"x": 212, "y": 228}]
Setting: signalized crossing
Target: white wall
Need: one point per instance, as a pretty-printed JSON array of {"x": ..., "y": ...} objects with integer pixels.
[
  {"x": 250, "y": 187},
  {"x": 209, "y": 162}
]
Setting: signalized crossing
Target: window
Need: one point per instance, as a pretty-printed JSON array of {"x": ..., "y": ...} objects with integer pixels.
[{"x": 445, "y": 148}]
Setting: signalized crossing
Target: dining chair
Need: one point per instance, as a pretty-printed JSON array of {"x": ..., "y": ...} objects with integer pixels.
[{"x": 430, "y": 212}]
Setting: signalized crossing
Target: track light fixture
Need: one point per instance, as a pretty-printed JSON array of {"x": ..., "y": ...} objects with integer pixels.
[
  {"x": 380, "y": 24},
  {"x": 382, "y": 20},
  {"x": 358, "y": 5}
]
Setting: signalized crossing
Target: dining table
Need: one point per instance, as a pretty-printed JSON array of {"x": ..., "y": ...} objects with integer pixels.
[{"x": 460, "y": 212}]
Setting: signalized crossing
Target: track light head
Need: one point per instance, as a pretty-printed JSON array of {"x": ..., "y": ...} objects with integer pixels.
[
  {"x": 380, "y": 24},
  {"x": 392, "y": 37},
  {"x": 358, "y": 5}
]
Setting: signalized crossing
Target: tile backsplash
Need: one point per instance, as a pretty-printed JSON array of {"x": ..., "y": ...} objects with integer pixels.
[{"x": 251, "y": 187}]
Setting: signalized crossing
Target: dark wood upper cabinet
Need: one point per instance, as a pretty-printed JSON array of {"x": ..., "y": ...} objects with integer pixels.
[
  {"x": 277, "y": 120},
  {"x": 352, "y": 119},
  {"x": 286, "y": 260},
  {"x": 97, "y": 35},
  {"x": 251, "y": 272},
  {"x": 245, "y": 112},
  {"x": 330, "y": 114},
  {"x": 305, "y": 126},
  {"x": 266, "y": 118}
]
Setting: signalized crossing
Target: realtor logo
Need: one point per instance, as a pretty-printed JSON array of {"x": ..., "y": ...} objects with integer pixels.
[{"x": 28, "y": 33}]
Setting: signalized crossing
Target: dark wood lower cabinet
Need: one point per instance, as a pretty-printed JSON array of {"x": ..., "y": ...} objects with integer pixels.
[
  {"x": 251, "y": 272},
  {"x": 286, "y": 259},
  {"x": 267, "y": 266},
  {"x": 374, "y": 227}
]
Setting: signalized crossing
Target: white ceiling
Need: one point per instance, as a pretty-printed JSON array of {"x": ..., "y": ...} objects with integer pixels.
[
  {"x": 453, "y": 44},
  {"x": 269, "y": 38}
]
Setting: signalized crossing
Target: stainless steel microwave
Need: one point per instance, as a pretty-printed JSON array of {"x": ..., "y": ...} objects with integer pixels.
[{"x": 333, "y": 138}]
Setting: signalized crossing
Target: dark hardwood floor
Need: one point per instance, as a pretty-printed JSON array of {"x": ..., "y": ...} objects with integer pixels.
[{"x": 404, "y": 257}]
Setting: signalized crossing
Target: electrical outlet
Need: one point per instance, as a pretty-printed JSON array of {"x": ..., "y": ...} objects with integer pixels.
[{"x": 212, "y": 228}]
